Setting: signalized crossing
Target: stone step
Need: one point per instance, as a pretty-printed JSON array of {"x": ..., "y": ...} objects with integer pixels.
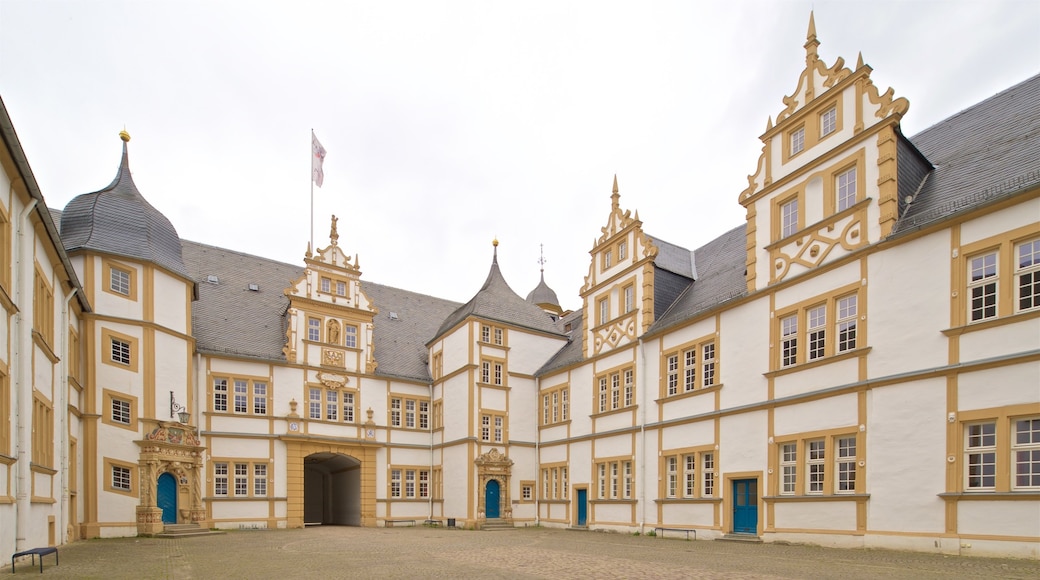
[
  {"x": 745, "y": 538},
  {"x": 497, "y": 525},
  {"x": 185, "y": 531}
]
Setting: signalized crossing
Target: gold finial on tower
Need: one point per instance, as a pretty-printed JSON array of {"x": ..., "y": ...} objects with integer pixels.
[
  {"x": 124, "y": 135},
  {"x": 494, "y": 242}
]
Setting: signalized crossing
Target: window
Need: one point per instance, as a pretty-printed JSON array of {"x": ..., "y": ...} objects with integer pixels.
[
  {"x": 847, "y": 323},
  {"x": 554, "y": 482},
  {"x": 982, "y": 283},
  {"x": 629, "y": 298},
  {"x": 492, "y": 372},
  {"x": 349, "y": 336},
  {"x": 615, "y": 479},
  {"x": 846, "y": 467},
  {"x": 492, "y": 428},
  {"x": 395, "y": 483},
  {"x": 789, "y": 218},
  {"x": 220, "y": 395},
  {"x": 416, "y": 483},
  {"x": 259, "y": 398},
  {"x": 492, "y": 334},
  {"x": 788, "y": 468},
  {"x": 438, "y": 365},
  {"x": 1027, "y": 274},
  {"x": 708, "y": 365},
  {"x": 5, "y": 405},
  {"x": 438, "y": 414},
  {"x": 604, "y": 310},
  {"x": 121, "y": 411},
  {"x": 616, "y": 390},
  {"x": 608, "y": 259},
  {"x": 43, "y": 307},
  {"x": 120, "y": 351},
  {"x": 682, "y": 479},
  {"x": 485, "y": 333},
  {"x": 220, "y": 479},
  {"x": 797, "y": 141},
  {"x": 622, "y": 250},
  {"x": 981, "y": 451},
  {"x": 241, "y": 479},
  {"x": 816, "y": 335},
  {"x": 555, "y": 405},
  {"x": 498, "y": 336},
  {"x": 845, "y": 189},
  {"x": 327, "y": 404},
  {"x": 395, "y": 412},
  {"x": 405, "y": 412},
  {"x": 121, "y": 478},
  {"x": 42, "y": 431},
  {"x": 817, "y": 451},
  {"x": 804, "y": 469},
  {"x": 247, "y": 395},
  {"x": 341, "y": 287},
  {"x": 1025, "y": 450},
  {"x": 526, "y": 491},
  {"x": 788, "y": 340},
  {"x": 409, "y": 414},
  {"x": 672, "y": 374},
  {"x": 119, "y": 281},
  {"x": 690, "y": 369},
  {"x": 326, "y": 285},
  {"x": 828, "y": 121},
  {"x": 816, "y": 324},
  {"x": 260, "y": 479},
  {"x": 313, "y": 329}
]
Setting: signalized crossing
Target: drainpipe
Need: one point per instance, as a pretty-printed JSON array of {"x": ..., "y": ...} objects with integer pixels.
[
  {"x": 430, "y": 425},
  {"x": 642, "y": 435},
  {"x": 63, "y": 412},
  {"x": 538, "y": 458},
  {"x": 20, "y": 360}
]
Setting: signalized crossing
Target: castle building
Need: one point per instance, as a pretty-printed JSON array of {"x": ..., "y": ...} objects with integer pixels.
[{"x": 858, "y": 364}]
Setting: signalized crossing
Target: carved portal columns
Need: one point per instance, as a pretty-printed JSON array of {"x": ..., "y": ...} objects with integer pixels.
[
  {"x": 493, "y": 465},
  {"x": 172, "y": 448}
]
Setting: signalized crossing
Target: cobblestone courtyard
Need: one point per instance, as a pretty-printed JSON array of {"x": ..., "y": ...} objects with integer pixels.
[{"x": 344, "y": 552}]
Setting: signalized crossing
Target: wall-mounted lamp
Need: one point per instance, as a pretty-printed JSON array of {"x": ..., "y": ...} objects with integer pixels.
[{"x": 180, "y": 410}]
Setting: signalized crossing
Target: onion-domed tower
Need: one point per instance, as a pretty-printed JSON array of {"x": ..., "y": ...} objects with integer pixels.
[{"x": 137, "y": 397}]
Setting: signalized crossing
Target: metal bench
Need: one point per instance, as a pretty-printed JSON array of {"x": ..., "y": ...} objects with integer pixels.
[
  {"x": 391, "y": 523},
  {"x": 41, "y": 552},
  {"x": 660, "y": 532}
]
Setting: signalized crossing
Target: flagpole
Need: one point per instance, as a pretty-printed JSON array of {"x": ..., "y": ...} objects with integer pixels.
[{"x": 311, "y": 247}]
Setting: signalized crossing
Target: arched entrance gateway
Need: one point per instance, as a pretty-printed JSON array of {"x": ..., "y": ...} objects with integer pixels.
[
  {"x": 493, "y": 472},
  {"x": 330, "y": 484}
]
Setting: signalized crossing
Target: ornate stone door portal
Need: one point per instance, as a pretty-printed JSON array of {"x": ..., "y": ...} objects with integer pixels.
[
  {"x": 170, "y": 448},
  {"x": 494, "y": 466}
]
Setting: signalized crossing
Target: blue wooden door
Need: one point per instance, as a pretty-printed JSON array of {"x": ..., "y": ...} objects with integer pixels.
[
  {"x": 745, "y": 506},
  {"x": 166, "y": 497},
  {"x": 583, "y": 507},
  {"x": 491, "y": 500}
]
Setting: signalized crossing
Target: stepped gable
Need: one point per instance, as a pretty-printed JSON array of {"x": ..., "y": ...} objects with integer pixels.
[
  {"x": 985, "y": 153},
  {"x": 230, "y": 319},
  {"x": 496, "y": 301},
  {"x": 118, "y": 220}
]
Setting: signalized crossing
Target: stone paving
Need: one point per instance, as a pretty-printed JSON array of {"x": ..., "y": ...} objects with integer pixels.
[{"x": 345, "y": 552}]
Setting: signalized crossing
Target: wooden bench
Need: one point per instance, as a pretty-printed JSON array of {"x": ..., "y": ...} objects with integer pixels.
[
  {"x": 660, "y": 532},
  {"x": 41, "y": 552},
  {"x": 432, "y": 522},
  {"x": 391, "y": 523}
]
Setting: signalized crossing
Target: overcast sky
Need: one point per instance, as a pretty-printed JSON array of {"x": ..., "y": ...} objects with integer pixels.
[{"x": 450, "y": 123}]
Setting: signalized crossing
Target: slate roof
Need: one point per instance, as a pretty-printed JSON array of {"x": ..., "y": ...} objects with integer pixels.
[
  {"x": 230, "y": 319},
  {"x": 985, "y": 153},
  {"x": 675, "y": 259},
  {"x": 119, "y": 220},
  {"x": 543, "y": 294},
  {"x": 571, "y": 352},
  {"x": 496, "y": 301}
]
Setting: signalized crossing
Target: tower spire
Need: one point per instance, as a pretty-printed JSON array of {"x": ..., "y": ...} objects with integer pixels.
[
  {"x": 614, "y": 197},
  {"x": 811, "y": 43}
]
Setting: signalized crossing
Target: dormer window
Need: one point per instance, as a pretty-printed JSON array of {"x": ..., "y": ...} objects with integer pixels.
[
  {"x": 608, "y": 259},
  {"x": 622, "y": 251},
  {"x": 326, "y": 285},
  {"x": 797, "y": 141},
  {"x": 341, "y": 288}
]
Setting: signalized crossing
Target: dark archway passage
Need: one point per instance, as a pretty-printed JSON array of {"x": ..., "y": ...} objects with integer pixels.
[{"x": 331, "y": 490}]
